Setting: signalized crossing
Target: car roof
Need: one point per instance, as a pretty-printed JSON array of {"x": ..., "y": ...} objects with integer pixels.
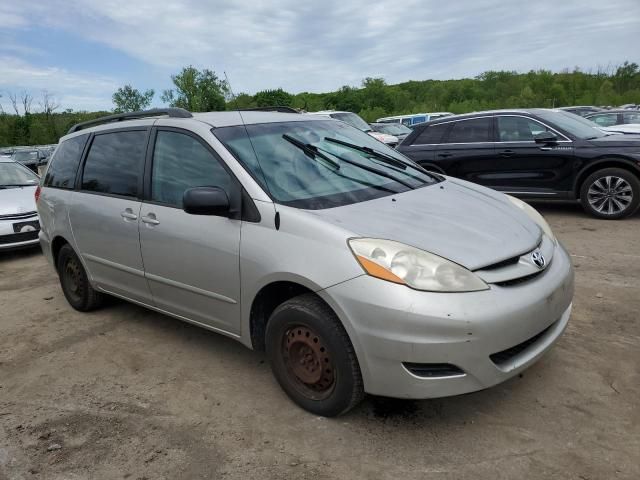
[
  {"x": 452, "y": 118},
  {"x": 247, "y": 117},
  {"x": 213, "y": 119}
]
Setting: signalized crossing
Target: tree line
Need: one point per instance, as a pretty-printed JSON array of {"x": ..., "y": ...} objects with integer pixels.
[{"x": 202, "y": 90}]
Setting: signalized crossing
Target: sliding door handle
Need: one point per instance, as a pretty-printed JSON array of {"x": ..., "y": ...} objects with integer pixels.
[{"x": 150, "y": 219}]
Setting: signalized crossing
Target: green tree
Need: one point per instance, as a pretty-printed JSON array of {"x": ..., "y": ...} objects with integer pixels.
[
  {"x": 273, "y": 98},
  {"x": 197, "y": 91},
  {"x": 242, "y": 100},
  {"x": 129, "y": 99}
]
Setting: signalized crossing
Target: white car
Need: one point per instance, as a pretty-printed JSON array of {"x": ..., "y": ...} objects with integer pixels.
[
  {"x": 628, "y": 128},
  {"x": 356, "y": 121},
  {"x": 19, "y": 223}
]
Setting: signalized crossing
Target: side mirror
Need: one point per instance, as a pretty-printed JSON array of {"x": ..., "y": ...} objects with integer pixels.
[
  {"x": 545, "y": 137},
  {"x": 206, "y": 201}
]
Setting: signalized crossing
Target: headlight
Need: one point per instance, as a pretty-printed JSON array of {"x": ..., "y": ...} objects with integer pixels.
[
  {"x": 533, "y": 215},
  {"x": 399, "y": 263}
]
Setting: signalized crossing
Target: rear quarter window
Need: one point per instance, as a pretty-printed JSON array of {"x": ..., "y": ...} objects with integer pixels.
[{"x": 63, "y": 167}]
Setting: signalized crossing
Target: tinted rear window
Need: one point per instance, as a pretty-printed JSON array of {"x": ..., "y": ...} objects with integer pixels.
[
  {"x": 64, "y": 164},
  {"x": 114, "y": 163},
  {"x": 432, "y": 134},
  {"x": 471, "y": 131}
]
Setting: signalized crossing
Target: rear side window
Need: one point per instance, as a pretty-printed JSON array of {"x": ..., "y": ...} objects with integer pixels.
[
  {"x": 114, "y": 163},
  {"x": 631, "y": 117},
  {"x": 64, "y": 164},
  {"x": 432, "y": 134},
  {"x": 181, "y": 162},
  {"x": 471, "y": 131}
]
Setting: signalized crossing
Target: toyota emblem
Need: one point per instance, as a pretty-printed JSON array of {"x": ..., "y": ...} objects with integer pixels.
[{"x": 538, "y": 259}]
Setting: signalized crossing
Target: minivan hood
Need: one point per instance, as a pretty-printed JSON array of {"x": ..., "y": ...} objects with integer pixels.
[
  {"x": 468, "y": 224},
  {"x": 17, "y": 200}
]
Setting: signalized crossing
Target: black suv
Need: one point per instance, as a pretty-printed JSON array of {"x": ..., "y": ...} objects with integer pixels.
[{"x": 535, "y": 154}]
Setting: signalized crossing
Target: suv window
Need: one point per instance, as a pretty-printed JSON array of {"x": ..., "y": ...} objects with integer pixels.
[
  {"x": 475, "y": 130},
  {"x": 605, "y": 119},
  {"x": 432, "y": 134},
  {"x": 181, "y": 162},
  {"x": 518, "y": 129},
  {"x": 631, "y": 117},
  {"x": 114, "y": 162},
  {"x": 64, "y": 164}
]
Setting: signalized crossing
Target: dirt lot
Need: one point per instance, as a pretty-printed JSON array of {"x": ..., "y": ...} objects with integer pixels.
[{"x": 128, "y": 393}]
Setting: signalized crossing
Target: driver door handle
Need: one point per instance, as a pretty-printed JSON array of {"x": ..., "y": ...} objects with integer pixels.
[
  {"x": 507, "y": 153},
  {"x": 445, "y": 154}
]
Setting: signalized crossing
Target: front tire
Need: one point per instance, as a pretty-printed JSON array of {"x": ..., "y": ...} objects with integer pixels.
[
  {"x": 74, "y": 282},
  {"x": 610, "y": 193},
  {"x": 312, "y": 357}
]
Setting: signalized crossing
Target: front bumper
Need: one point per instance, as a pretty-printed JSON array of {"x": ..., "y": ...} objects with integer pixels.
[
  {"x": 392, "y": 324},
  {"x": 10, "y": 239}
]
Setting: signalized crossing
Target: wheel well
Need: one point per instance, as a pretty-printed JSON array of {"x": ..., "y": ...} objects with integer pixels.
[
  {"x": 612, "y": 163},
  {"x": 56, "y": 245},
  {"x": 265, "y": 302}
]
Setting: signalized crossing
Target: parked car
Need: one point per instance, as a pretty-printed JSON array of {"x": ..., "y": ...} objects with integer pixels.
[
  {"x": 630, "y": 106},
  {"x": 398, "y": 130},
  {"x": 610, "y": 118},
  {"x": 30, "y": 158},
  {"x": 414, "y": 118},
  {"x": 356, "y": 121},
  {"x": 358, "y": 271},
  {"x": 582, "y": 110},
  {"x": 535, "y": 154},
  {"x": 19, "y": 225},
  {"x": 630, "y": 129}
]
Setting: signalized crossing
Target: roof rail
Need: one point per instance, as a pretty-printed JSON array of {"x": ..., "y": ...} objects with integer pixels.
[
  {"x": 281, "y": 109},
  {"x": 173, "y": 112}
]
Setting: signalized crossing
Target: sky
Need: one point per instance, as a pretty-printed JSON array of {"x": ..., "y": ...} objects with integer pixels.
[{"x": 82, "y": 51}]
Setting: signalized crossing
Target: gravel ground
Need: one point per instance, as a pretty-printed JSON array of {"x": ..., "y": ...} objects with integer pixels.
[{"x": 127, "y": 393}]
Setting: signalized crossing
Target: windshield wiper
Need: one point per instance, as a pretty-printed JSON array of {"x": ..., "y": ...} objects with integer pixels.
[
  {"x": 310, "y": 151},
  {"x": 4, "y": 185},
  {"x": 373, "y": 170},
  {"x": 388, "y": 159}
]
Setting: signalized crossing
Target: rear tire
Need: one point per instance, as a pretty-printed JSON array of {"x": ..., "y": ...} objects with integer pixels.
[
  {"x": 312, "y": 357},
  {"x": 610, "y": 193},
  {"x": 74, "y": 282}
]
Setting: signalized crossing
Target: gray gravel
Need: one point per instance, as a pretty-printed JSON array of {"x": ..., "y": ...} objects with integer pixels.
[{"x": 128, "y": 393}]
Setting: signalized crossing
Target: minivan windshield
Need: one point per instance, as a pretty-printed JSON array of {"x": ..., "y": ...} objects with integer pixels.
[
  {"x": 573, "y": 124},
  {"x": 314, "y": 164},
  {"x": 15, "y": 175}
]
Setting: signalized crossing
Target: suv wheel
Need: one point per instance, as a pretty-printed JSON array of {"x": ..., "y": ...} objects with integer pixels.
[
  {"x": 610, "y": 193},
  {"x": 75, "y": 283},
  {"x": 312, "y": 357}
]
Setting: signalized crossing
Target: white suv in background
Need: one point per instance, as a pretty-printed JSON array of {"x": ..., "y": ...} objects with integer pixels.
[{"x": 356, "y": 121}]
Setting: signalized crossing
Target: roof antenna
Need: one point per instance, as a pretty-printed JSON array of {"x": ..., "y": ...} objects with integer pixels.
[{"x": 246, "y": 130}]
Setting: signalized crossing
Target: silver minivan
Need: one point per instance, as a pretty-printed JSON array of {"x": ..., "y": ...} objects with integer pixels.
[{"x": 353, "y": 268}]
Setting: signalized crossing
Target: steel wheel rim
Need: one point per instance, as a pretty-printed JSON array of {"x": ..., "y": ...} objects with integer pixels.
[
  {"x": 308, "y": 362},
  {"x": 610, "y": 195},
  {"x": 73, "y": 278}
]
